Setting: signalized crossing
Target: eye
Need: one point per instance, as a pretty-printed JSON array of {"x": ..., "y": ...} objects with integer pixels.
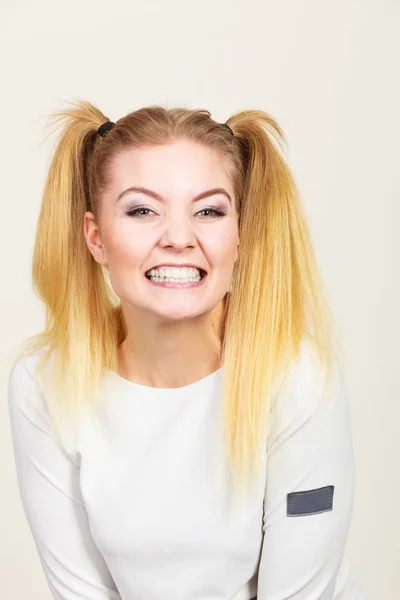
[
  {"x": 135, "y": 211},
  {"x": 216, "y": 211}
]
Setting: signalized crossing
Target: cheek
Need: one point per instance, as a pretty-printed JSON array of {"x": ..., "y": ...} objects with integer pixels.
[
  {"x": 126, "y": 255},
  {"x": 223, "y": 248},
  {"x": 127, "y": 248}
]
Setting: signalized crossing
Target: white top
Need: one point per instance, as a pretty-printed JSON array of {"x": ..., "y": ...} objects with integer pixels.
[{"x": 137, "y": 512}]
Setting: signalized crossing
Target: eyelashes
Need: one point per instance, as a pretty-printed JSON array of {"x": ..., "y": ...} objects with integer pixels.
[{"x": 134, "y": 212}]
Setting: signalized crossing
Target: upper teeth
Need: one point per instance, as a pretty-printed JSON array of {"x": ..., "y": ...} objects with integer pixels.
[{"x": 174, "y": 272}]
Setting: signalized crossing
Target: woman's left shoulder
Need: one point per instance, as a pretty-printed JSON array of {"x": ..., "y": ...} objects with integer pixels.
[
  {"x": 308, "y": 392},
  {"x": 309, "y": 380}
]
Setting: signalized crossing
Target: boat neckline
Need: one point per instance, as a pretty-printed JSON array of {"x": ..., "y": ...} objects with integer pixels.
[{"x": 157, "y": 390}]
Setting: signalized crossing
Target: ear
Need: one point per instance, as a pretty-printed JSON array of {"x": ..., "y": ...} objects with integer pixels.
[{"x": 93, "y": 239}]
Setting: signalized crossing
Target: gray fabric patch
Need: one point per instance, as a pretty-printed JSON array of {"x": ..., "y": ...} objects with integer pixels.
[{"x": 310, "y": 502}]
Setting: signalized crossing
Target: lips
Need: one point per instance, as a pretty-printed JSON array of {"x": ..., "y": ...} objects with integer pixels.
[
  {"x": 202, "y": 274},
  {"x": 202, "y": 271}
]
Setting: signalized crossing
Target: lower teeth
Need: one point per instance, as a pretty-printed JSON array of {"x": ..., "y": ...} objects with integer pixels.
[{"x": 173, "y": 280}]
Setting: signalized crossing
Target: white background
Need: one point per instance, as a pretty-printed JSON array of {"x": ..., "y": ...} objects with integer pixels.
[{"x": 329, "y": 73}]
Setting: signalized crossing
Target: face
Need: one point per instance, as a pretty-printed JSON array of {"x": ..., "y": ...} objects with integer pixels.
[{"x": 168, "y": 225}]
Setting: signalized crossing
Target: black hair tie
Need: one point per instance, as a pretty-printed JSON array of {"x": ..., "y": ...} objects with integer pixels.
[
  {"x": 102, "y": 130},
  {"x": 227, "y": 127}
]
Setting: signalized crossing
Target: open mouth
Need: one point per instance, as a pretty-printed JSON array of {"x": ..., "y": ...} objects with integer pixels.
[{"x": 202, "y": 274}]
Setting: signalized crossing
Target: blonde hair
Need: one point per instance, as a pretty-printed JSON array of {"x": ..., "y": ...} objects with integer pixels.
[{"x": 277, "y": 298}]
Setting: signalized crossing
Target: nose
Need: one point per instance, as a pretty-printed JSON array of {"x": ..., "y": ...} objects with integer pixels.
[{"x": 179, "y": 231}]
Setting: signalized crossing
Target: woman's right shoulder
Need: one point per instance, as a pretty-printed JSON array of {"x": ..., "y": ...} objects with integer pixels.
[
  {"x": 23, "y": 384},
  {"x": 27, "y": 398}
]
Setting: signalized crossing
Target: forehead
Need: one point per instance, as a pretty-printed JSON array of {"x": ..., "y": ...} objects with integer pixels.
[{"x": 181, "y": 163}]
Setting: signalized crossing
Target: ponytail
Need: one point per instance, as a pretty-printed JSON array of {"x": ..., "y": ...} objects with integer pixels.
[
  {"x": 277, "y": 305},
  {"x": 83, "y": 320}
]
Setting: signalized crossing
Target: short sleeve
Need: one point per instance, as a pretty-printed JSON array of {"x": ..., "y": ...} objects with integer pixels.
[
  {"x": 48, "y": 481},
  {"x": 309, "y": 487}
]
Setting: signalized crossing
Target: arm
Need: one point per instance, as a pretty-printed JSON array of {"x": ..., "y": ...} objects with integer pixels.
[
  {"x": 48, "y": 481},
  {"x": 311, "y": 449}
]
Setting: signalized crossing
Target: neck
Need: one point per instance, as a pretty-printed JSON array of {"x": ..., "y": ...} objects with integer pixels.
[{"x": 172, "y": 355}]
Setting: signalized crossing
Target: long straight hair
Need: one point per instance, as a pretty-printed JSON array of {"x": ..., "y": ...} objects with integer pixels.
[{"x": 276, "y": 303}]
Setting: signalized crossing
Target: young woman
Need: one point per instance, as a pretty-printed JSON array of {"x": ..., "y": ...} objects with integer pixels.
[{"x": 181, "y": 427}]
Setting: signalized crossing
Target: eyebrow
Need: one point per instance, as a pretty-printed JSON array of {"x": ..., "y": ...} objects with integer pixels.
[{"x": 156, "y": 196}]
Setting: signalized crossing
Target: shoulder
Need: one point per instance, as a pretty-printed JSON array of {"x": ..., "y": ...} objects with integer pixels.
[
  {"x": 22, "y": 374},
  {"x": 306, "y": 380},
  {"x": 305, "y": 394},
  {"x": 23, "y": 384},
  {"x": 27, "y": 402},
  {"x": 31, "y": 406}
]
